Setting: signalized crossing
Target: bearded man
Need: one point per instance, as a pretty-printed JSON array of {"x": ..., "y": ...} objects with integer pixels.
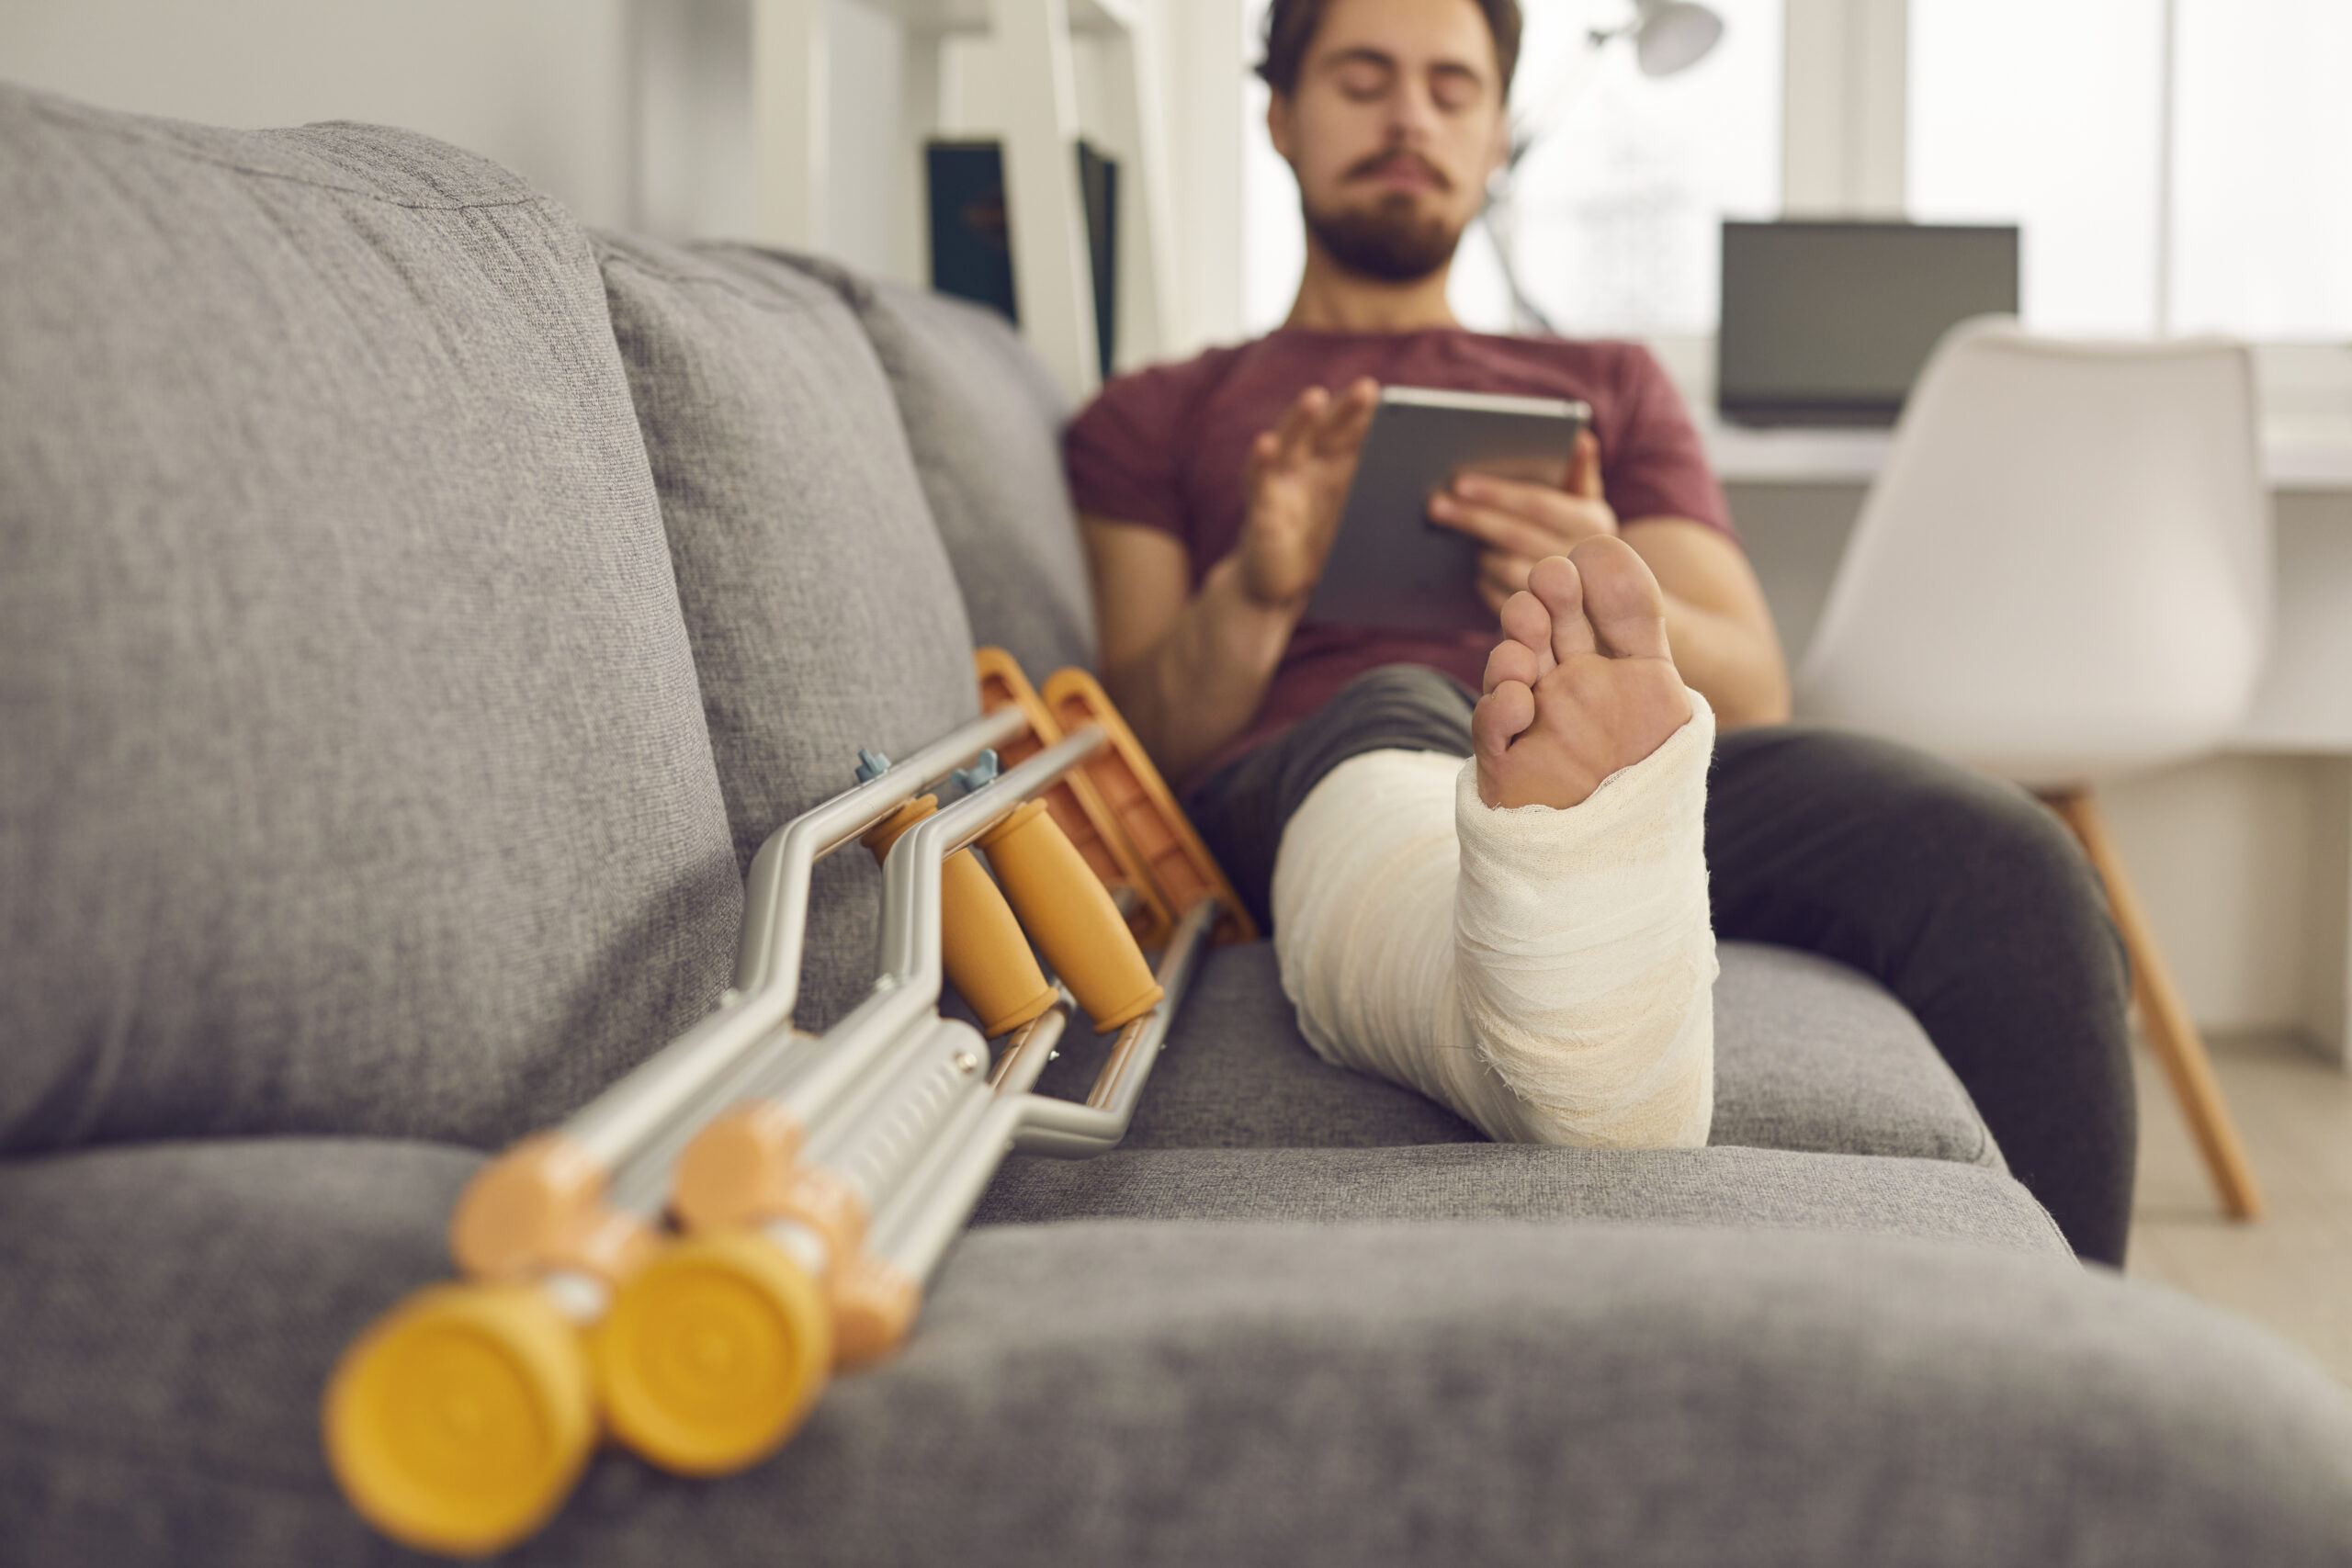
[{"x": 1528, "y": 935}]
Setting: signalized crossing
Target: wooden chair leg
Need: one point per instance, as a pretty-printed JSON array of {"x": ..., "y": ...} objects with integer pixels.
[{"x": 2163, "y": 1018}]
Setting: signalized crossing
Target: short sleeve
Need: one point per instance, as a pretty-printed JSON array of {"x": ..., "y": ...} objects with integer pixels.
[
  {"x": 1659, "y": 467},
  {"x": 1121, "y": 451}
]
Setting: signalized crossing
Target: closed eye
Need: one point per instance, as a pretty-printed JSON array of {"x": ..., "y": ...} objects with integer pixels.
[
  {"x": 1362, "y": 78},
  {"x": 1455, "y": 88}
]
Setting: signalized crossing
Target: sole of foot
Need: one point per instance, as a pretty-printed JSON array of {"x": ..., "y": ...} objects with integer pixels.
[{"x": 1581, "y": 684}]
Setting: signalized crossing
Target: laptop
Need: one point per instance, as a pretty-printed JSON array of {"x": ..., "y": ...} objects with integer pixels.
[{"x": 1829, "y": 324}]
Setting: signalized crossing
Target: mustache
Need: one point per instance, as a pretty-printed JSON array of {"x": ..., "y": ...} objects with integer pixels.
[{"x": 1381, "y": 162}]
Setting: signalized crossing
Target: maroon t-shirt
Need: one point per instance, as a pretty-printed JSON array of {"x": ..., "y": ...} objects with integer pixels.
[{"x": 1167, "y": 447}]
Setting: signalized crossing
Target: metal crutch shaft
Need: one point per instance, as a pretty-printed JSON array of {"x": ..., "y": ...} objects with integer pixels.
[
  {"x": 548, "y": 1228},
  {"x": 563, "y": 1200}
]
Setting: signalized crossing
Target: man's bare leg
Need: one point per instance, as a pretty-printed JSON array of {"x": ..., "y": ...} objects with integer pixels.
[{"x": 1525, "y": 938}]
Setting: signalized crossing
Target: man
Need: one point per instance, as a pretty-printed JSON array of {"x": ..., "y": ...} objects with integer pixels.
[{"x": 1209, "y": 493}]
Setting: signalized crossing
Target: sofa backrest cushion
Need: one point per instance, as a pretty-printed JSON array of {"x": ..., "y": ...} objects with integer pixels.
[
  {"x": 984, "y": 419},
  {"x": 823, "y": 614},
  {"x": 353, "y": 775}
]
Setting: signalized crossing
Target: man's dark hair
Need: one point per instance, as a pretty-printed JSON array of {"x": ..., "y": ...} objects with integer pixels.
[{"x": 1291, "y": 24}]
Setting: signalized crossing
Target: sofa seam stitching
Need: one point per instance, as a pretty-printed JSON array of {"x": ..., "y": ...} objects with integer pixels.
[
  {"x": 781, "y": 305},
  {"x": 193, "y": 155}
]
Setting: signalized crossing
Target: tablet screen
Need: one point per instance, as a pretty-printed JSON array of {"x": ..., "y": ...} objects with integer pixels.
[{"x": 1391, "y": 569}]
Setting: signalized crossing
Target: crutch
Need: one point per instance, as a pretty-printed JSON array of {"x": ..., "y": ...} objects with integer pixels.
[
  {"x": 461, "y": 1419},
  {"x": 862, "y": 1202}
]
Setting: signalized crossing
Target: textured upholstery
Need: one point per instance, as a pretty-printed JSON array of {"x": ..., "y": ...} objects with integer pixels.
[
  {"x": 1811, "y": 1054},
  {"x": 1808, "y": 1055},
  {"x": 1194, "y": 1393},
  {"x": 173, "y": 1310},
  {"x": 354, "y": 775},
  {"x": 823, "y": 614},
  {"x": 984, "y": 419},
  {"x": 1758, "y": 1188}
]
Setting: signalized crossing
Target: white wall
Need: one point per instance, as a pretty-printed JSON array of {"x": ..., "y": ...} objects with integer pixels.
[
  {"x": 540, "y": 86},
  {"x": 870, "y": 169},
  {"x": 636, "y": 114},
  {"x": 691, "y": 65},
  {"x": 692, "y": 174},
  {"x": 2230, "y": 856}
]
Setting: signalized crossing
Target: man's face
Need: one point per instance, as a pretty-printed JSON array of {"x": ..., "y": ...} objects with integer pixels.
[{"x": 1395, "y": 124}]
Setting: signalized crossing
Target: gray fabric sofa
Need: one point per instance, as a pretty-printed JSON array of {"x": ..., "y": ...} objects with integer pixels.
[{"x": 413, "y": 609}]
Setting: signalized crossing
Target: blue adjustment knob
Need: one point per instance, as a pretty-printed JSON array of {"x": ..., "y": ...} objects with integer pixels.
[{"x": 983, "y": 771}]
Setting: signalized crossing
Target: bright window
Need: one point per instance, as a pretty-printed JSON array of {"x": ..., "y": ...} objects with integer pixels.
[
  {"x": 2052, "y": 116},
  {"x": 2046, "y": 115},
  {"x": 1619, "y": 207},
  {"x": 2262, "y": 234}
]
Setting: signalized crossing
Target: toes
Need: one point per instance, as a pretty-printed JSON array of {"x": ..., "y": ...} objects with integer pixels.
[
  {"x": 1622, "y": 604},
  {"x": 1559, "y": 586},
  {"x": 1527, "y": 623},
  {"x": 1512, "y": 660},
  {"x": 1500, "y": 718}
]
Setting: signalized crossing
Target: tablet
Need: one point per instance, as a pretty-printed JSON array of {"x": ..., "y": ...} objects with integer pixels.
[{"x": 1390, "y": 567}]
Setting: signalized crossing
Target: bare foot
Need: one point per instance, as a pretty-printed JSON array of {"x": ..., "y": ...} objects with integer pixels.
[{"x": 1581, "y": 684}]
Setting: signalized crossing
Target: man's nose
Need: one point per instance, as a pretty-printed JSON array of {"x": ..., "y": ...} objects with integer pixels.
[{"x": 1412, "y": 113}]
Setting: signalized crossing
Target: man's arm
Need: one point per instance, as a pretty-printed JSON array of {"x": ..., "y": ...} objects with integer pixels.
[
  {"x": 1188, "y": 669},
  {"x": 1716, "y": 620}
]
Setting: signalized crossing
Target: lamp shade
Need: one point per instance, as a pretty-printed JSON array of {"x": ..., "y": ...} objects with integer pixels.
[{"x": 1673, "y": 35}]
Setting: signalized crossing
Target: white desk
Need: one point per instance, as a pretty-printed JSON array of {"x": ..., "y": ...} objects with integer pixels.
[
  {"x": 2298, "y": 455},
  {"x": 2306, "y": 391}
]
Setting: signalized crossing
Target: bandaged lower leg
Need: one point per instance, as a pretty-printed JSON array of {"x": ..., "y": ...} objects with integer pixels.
[{"x": 1545, "y": 970}]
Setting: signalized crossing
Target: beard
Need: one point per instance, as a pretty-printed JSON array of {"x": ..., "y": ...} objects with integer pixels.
[{"x": 1389, "y": 240}]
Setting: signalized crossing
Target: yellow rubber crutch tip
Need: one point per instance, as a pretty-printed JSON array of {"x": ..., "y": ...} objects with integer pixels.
[
  {"x": 712, "y": 1353},
  {"x": 459, "y": 1422}
]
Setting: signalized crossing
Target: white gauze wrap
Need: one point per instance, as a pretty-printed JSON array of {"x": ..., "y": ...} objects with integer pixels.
[{"x": 1549, "y": 974}]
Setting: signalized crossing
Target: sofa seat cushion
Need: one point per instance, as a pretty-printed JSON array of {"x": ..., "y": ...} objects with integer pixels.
[
  {"x": 354, "y": 775},
  {"x": 823, "y": 614},
  {"x": 1809, "y": 1056},
  {"x": 1756, "y": 1188},
  {"x": 984, "y": 419},
  {"x": 1812, "y": 1054},
  {"x": 1203, "y": 1393}
]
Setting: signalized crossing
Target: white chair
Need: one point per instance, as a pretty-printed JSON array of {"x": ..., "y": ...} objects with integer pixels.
[{"x": 2063, "y": 573}]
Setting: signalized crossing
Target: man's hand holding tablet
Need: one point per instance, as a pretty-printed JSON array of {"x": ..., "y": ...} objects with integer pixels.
[
  {"x": 1521, "y": 521},
  {"x": 1299, "y": 473},
  {"x": 1455, "y": 496}
]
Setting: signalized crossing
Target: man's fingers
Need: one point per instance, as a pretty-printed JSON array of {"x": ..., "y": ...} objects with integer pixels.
[
  {"x": 1530, "y": 496},
  {"x": 1503, "y": 573},
  {"x": 1348, "y": 417},
  {"x": 1356, "y": 401},
  {"x": 1495, "y": 527},
  {"x": 1298, "y": 423},
  {"x": 1264, "y": 447},
  {"x": 1584, "y": 467}
]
